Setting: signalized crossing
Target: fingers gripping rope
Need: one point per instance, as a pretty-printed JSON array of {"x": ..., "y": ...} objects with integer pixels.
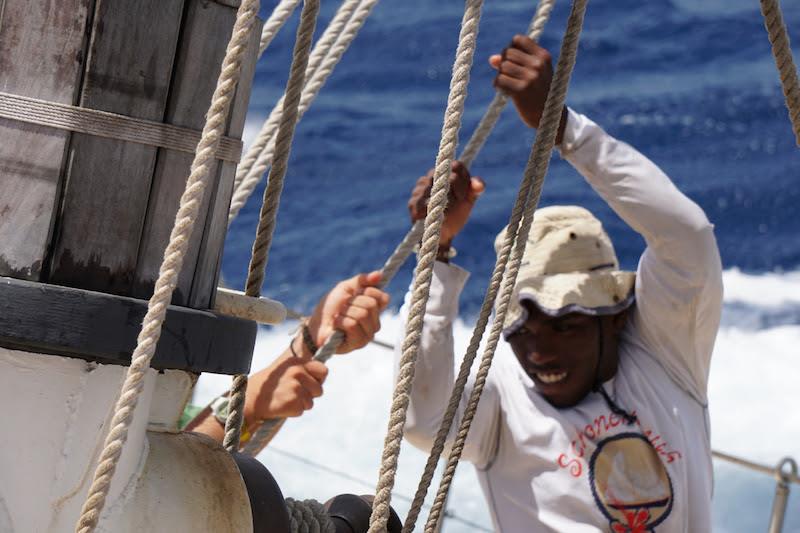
[
  {"x": 263, "y": 434},
  {"x": 170, "y": 267},
  {"x": 269, "y": 207},
  {"x": 427, "y": 256},
  {"x": 534, "y": 172}
]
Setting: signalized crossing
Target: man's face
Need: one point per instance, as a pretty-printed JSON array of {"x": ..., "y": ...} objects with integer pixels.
[{"x": 560, "y": 354}]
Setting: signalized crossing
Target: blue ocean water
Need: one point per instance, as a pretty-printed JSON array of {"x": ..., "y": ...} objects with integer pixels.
[{"x": 691, "y": 84}]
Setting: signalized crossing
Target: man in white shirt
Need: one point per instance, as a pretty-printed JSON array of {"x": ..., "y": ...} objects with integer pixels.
[{"x": 594, "y": 416}]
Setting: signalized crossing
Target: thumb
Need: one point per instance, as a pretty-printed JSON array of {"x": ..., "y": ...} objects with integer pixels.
[
  {"x": 476, "y": 188},
  {"x": 373, "y": 278},
  {"x": 495, "y": 61}
]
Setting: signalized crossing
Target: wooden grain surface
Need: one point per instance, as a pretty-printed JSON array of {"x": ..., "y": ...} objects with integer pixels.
[
  {"x": 129, "y": 67},
  {"x": 42, "y": 57}
]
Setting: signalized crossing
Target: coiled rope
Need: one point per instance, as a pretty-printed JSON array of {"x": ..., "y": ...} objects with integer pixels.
[
  {"x": 170, "y": 267},
  {"x": 269, "y": 206},
  {"x": 782, "y": 51},
  {"x": 535, "y": 171},
  {"x": 308, "y": 516},
  {"x": 427, "y": 256},
  {"x": 476, "y": 143}
]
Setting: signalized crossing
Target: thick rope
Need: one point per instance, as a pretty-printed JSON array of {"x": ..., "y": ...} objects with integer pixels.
[
  {"x": 170, "y": 267},
  {"x": 782, "y": 51},
  {"x": 275, "y": 22},
  {"x": 537, "y": 26},
  {"x": 535, "y": 171},
  {"x": 263, "y": 149},
  {"x": 272, "y": 196},
  {"x": 427, "y": 256},
  {"x": 495, "y": 109},
  {"x": 308, "y": 516},
  {"x": 267, "y": 430},
  {"x": 270, "y": 126}
]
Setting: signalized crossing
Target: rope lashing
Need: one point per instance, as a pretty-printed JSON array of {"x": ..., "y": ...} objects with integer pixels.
[
  {"x": 173, "y": 259},
  {"x": 269, "y": 207},
  {"x": 782, "y": 51},
  {"x": 275, "y": 22},
  {"x": 263, "y": 147},
  {"x": 267, "y": 430},
  {"x": 535, "y": 171},
  {"x": 270, "y": 126},
  {"x": 427, "y": 256},
  {"x": 110, "y": 125},
  {"x": 537, "y": 26},
  {"x": 308, "y": 516}
]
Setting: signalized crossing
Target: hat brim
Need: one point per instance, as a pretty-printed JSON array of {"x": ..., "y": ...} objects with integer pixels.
[{"x": 590, "y": 293}]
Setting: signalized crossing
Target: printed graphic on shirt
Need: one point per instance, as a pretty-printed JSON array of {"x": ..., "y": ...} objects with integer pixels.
[
  {"x": 587, "y": 438},
  {"x": 630, "y": 484}
]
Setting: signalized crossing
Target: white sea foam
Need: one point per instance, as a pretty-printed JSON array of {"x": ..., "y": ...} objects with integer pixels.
[{"x": 753, "y": 393}]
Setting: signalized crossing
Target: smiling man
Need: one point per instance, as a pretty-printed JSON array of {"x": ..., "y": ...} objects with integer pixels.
[{"x": 594, "y": 416}]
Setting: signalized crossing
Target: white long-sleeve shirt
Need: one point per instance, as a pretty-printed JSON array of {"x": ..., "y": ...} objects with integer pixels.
[{"x": 582, "y": 469}]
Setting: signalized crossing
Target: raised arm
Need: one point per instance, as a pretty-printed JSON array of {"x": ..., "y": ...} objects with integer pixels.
[
  {"x": 435, "y": 369},
  {"x": 678, "y": 287}
]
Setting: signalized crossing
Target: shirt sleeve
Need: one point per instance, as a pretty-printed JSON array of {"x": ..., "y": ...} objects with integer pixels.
[
  {"x": 435, "y": 374},
  {"x": 679, "y": 278}
]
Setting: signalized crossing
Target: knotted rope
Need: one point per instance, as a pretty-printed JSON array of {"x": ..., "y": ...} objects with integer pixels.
[
  {"x": 476, "y": 142},
  {"x": 308, "y": 516},
  {"x": 327, "y": 53},
  {"x": 535, "y": 171},
  {"x": 170, "y": 267},
  {"x": 427, "y": 257},
  {"x": 782, "y": 51},
  {"x": 269, "y": 207}
]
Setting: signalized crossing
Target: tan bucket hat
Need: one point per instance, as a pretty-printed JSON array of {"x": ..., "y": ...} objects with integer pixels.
[{"x": 569, "y": 266}]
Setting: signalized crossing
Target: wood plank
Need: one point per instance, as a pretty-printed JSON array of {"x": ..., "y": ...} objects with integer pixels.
[
  {"x": 50, "y": 319},
  {"x": 42, "y": 57},
  {"x": 206, "y": 30},
  {"x": 128, "y": 71},
  {"x": 206, "y": 277}
]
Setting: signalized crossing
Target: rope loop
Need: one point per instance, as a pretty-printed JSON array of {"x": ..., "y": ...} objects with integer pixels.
[{"x": 308, "y": 516}]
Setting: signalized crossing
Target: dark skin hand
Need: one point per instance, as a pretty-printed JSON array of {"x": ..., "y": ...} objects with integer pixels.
[
  {"x": 464, "y": 192},
  {"x": 560, "y": 354},
  {"x": 524, "y": 73}
]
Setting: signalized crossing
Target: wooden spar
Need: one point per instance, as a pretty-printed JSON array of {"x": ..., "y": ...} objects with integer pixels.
[
  {"x": 196, "y": 70},
  {"x": 206, "y": 276},
  {"x": 43, "y": 57},
  {"x": 128, "y": 72}
]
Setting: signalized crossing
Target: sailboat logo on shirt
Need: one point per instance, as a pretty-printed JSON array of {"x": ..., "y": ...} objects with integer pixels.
[{"x": 630, "y": 484}]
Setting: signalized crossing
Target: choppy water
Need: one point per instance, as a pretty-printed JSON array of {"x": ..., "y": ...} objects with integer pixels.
[{"x": 691, "y": 84}]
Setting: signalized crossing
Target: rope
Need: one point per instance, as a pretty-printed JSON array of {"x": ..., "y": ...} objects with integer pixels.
[
  {"x": 268, "y": 429},
  {"x": 261, "y": 153},
  {"x": 427, "y": 256},
  {"x": 782, "y": 51},
  {"x": 535, "y": 172},
  {"x": 537, "y": 25},
  {"x": 308, "y": 516},
  {"x": 269, "y": 207},
  {"x": 170, "y": 267},
  {"x": 270, "y": 126},
  {"x": 495, "y": 109},
  {"x": 110, "y": 125},
  {"x": 275, "y": 22}
]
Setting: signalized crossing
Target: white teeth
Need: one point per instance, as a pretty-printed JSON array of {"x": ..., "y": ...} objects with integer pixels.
[{"x": 551, "y": 378}]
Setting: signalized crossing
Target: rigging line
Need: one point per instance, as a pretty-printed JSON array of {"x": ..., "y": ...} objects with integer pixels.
[
  {"x": 368, "y": 484},
  {"x": 174, "y": 253}
]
